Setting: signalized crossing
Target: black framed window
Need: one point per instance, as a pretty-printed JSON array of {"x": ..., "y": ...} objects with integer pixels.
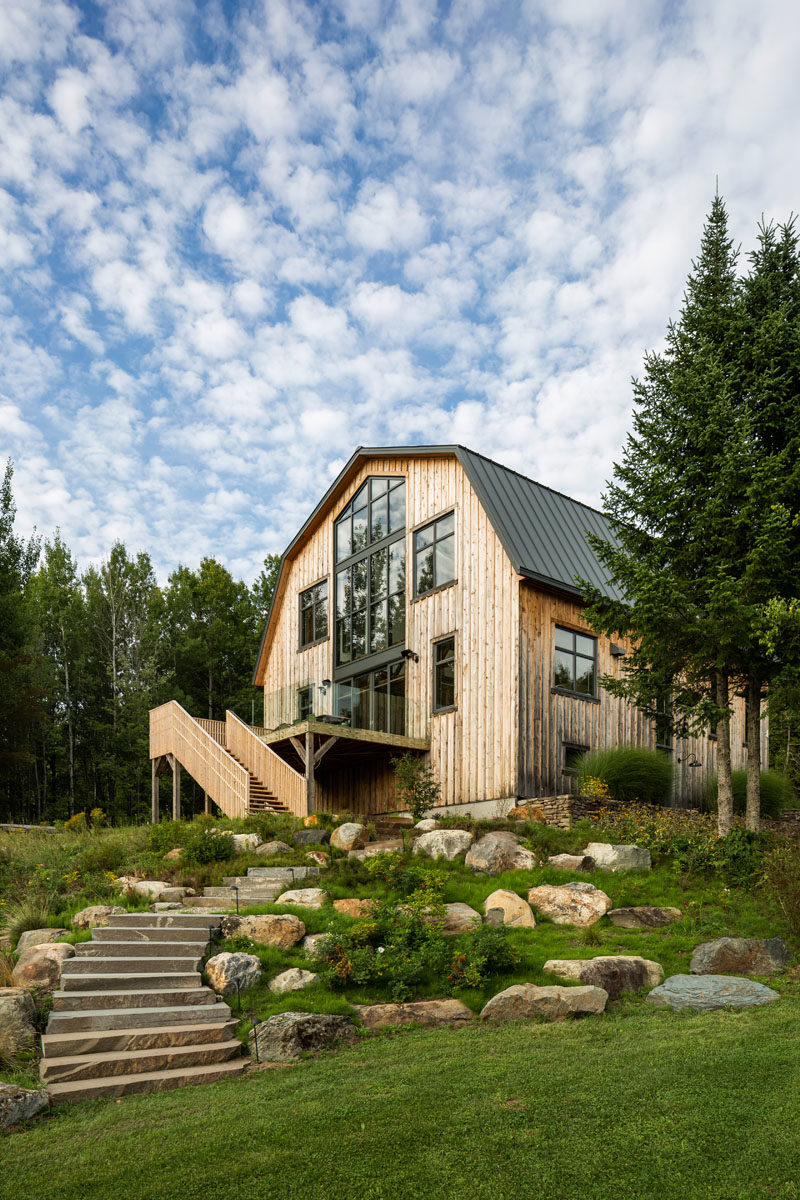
[
  {"x": 572, "y": 756},
  {"x": 305, "y": 702},
  {"x": 663, "y": 722},
  {"x": 377, "y": 510},
  {"x": 444, "y": 674},
  {"x": 575, "y": 662},
  {"x": 435, "y": 555},
  {"x": 376, "y": 699},
  {"x": 314, "y": 613}
]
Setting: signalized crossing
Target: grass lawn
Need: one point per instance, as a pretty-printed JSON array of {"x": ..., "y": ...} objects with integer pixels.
[{"x": 636, "y": 1104}]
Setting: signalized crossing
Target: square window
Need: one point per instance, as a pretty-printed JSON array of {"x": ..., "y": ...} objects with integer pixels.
[{"x": 575, "y": 662}]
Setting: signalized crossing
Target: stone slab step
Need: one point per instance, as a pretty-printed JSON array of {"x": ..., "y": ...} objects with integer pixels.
[
  {"x": 77, "y": 982},
  {"x": 69, "y": 1068},
  {"x": 197, "y": 934},
  {"x": 226, "y": 894},
  {"x": 213, "y": 902},
  {"x": 103, "y": 1019},
  {"x": 157, "y": 920},
  {"x": 276, "y": 873},
  {"x": 140, "y": 998},
  {"x": 120, "y": 1041},
  {"x": 126, "y": 949},
  {"x": 150, "y": 1081},
  {"x": 97, "y": 964},
  {"x": 276, "y": 878}
]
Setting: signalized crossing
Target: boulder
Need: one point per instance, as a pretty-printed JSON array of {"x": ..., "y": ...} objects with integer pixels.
[
  {"x": 350, "y": 836},
  {"x": 572, "y": 862},
  {"x": 319, "y": 857},
  {"x": 270, "y": 929},
  {"x": 304, "y": 897},
  {"x": 388, "y": 846},
  {"x": 740, "y": 956},
  {"x": 311, "y": 837},
  {"x": 17, "y": 1019},
  {"x": 353, "y": 907},
  {"x": 174, "y": 895},
  {"x": 313, "y": 944},
  {"x": 496, "y": 852},
  {"x": 229, "y": 973},
  {"x": 615, "y": 973},
  {"x": 527, "y": 812},
  {"x": 39, "y": 968},
  {"x": 245, "y": 843},
  {"x": 292, "y": 980},
  {"x": 95, "y": 915},
  {"x": 443, "y": 843},
  {"x": 20, "y": 1104},
  {"x": 151, "y": 888},
  {"x": 39, "y": 937},
  {"x": 618, "y": 858},
  {"x": 516, "y": 912},
  {"x": 459, "y": 918},
  {"x": 578, "y": 904},
  {"x": 267, "y": 849},
  {"x": 432, "y": 1013},
  {"x": 286, "y": 1036},
  {"x": 646, "y": 916},
  {"x": 427, "y": 825},
  {"x": 175, "y": 854},
  {"x": 495, "y": 917},
  {"x": 704, "y": 993},
  {"x": 525, "y": 1000}
]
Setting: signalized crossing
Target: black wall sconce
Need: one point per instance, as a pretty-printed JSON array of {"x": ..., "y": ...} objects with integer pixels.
[
  {"x": 617, "y": 651},
  {"x": 410, "y": 654}
]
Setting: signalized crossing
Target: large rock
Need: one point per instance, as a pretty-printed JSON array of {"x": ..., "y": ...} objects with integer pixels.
[
  {"x": 433, "y": 1013},
  {"x": 427, "y": 825},
  {"x": 95, "y": 914},
  {"x": 286, "y": 1036},
  {"x": 618, "y": 858},
  {"x": 319, "y": 857},
  {"x": 353, "y": 907},
  {"x": 20, "y": 1104},
  {"x": 229, "y": 973},
  {"x": 350, "y": 836},
  {"x": 271, "y": 929},
  {"x": 443, "y": 843},
  {"x": 740, "y": 956},
  {"x": 17, "y": 1019},
  {"x": 578, "y": 904},
  {"x": 313, "y": 944},
  {"x": 39, "y": 937},
  {"x": 311, "y": 837},
  {"x": 292, "y": 980},
  {"x": 152, "y": 888},
  {"x": 459, "y": 918},
  {"x": 245, "y": 843},
  {"x": 304, "y": 897},
  {"x": 388, "y": 846},
  {"x": 516, "y": 912},
  {"x": 525, "y": 1000},
  {"x": 615, "y": 973},
  {"x": 572, "y": 862},
  {"x": 645, "y": 916},
  {"x": 704, "y": 993},
  {"x": 267, "y": 849},
  {"x": 40, "y": 967},
  {"x": 496, "y": 852}
]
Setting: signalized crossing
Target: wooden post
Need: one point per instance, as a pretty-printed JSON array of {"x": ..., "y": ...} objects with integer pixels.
[
  {"x": 155, "y": 814},
  {"x": 206, "y": 803},
  {"x": 176, "y": 790},
  {"x": 309, "y": 772}
]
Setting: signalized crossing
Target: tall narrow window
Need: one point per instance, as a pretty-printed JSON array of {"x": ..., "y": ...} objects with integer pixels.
[
  {"x": 434, "y": 555},
  {"x": 305, "y": 702},
  {"x": 575, "y": 662},
  {"x": 314, "y": 614},
  {"x": 444, "y": 674}
]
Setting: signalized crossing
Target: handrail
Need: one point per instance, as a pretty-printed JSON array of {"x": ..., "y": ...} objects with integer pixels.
[
  {"x": 174, "y": 731},
  {"x": 268, "y": 767}
]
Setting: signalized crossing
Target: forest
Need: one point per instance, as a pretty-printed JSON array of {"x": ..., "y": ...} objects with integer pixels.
[{"x": 85, "y": 655}]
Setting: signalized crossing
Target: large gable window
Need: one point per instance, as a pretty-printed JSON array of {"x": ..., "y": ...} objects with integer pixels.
[
  {"x": 377, "y": 510},
  {"x": 314, "y": 614},
  {"x": 434, "y": 555},
  {"x": 575, "y": 662}
]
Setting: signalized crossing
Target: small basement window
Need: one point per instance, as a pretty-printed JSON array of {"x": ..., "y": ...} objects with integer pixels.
[{"x": 572, "y": 755}]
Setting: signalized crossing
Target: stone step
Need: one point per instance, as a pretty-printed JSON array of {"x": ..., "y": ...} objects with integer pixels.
[
  {"x": 197, "y": 934},
  {"x": 225, "y": 893},
  {"x": 277, "y": 878},
  {"x": 213, "y": 902},
  {"x": 103, "y": 1019},
  {"x": 120, "y": 1041},
  {"x": 117, "y": 982},
  {"x": 150, "y": 1081},
  {"x": 140, "y": 998},
  {"x": 276, "y": 873},
  {"x": 178, "y": 951},
  {"x": 97, "y": 964},
  {"x": 155, "y": 920},
  {"x": 70, "y": 1068}
]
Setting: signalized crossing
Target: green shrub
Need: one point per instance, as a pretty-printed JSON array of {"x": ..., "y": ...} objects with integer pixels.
[
  {"x": 204, "y": 846},
  {"x": 30, "y": 912},
  {"x": 630, "y": 773},
  {"x": 779, "y": 883},
  {"x": 417, "y": 787},
  {"x": 777, "y": 793},
  {"x": 166, "y": 835},
  {"x": 485, "y": 952}
]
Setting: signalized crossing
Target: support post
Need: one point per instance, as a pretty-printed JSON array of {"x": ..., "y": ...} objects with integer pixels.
[
  {"x": 176, "y": 790},
  {"x": 206, "y": 803},
  {"x": 310, "y": 788},
  {"x": 154, "y": 814}
]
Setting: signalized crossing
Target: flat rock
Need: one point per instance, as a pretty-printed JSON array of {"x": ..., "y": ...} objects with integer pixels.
[
  {"x": 287, "y": 1036},
  {"x": 319, "y": 857},
  {"x": 579, "y": 903},
  {"x": 95, "y": 914},
  {"x": 433, "y": 1013},
  {"x": 304, "y": 897},
  {"x": 459, "y": 918},
  {"x": 353, "y": 907},
  {"x": 525, "y": 1000},
  {"x": 350, "y": 836},
  {"x": 229, "y": 973},
  {"x": 39, "y": 937},
  {"x": 165, "y": 906},
  {"x": 292, "y": 980},
  {"x": 427, "y": 824},
  {"x": 572, "y": 862},
  {"x": 443, "y": 843},
  {"x": 17, "y": 1019},
  {"x": 615, "y": 973},
  {"x": 39, "y": 968},
  {"x": 618, "y": 858},
  {"x": 311, "y": 837},
  {"x": 270, "y": 929},
  {"x": 705, "y": 993},
  {"x": 496, "y": 852},
  {"x": 313, "y": 944},
  {"x": 740, "y": 956},
  {"x": 267, "y": 849},
  {"x": 20, "y": 1104},
  {"x": 516, "y": 912},
  {"x": 645, "y": 916},
  {"x": 388, "y": 846}
]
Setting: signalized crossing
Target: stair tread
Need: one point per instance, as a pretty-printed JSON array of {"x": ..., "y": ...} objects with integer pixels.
[
  {"x": 112, "y": 1083},
  {"x": 55, "y": 1040},
  {"x": 74, "y": 1060}
]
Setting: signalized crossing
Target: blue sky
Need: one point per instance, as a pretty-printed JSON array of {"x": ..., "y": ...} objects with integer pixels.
[{"x": 237, "y": 240}]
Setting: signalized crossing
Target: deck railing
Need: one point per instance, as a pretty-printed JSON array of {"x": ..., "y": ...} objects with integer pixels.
[
  {"x": 215, "y": 728},
  {"x": 286, "y": 784},
  {"x": 173, "y": 731}
]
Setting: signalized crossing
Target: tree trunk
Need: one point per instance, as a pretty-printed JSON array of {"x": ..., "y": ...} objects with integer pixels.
[
  {"x": 724, "y": 783},
  {"x": 753, "y": 739}
]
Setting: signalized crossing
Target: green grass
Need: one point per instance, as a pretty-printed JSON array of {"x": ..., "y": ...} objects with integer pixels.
[{"x": 630, "y": 1106}]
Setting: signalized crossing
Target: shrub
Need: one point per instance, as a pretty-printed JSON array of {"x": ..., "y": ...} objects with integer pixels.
[
  {"x": 166, "y": 835},
  {"x": 486, "y": 951},
  {"x": 630, "y": 773},
  {"x": 779, "y": 882},
  {"x": 417, "y": 786},
  {"x": 777, "y": 793},
  {"x": 204, "y": 846},
  {"x": 28, "y": 913},
  {"x": 77, "y": 823}
]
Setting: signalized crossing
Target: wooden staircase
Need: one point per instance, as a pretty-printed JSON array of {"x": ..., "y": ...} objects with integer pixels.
[{"x": 260, "y": 797}]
